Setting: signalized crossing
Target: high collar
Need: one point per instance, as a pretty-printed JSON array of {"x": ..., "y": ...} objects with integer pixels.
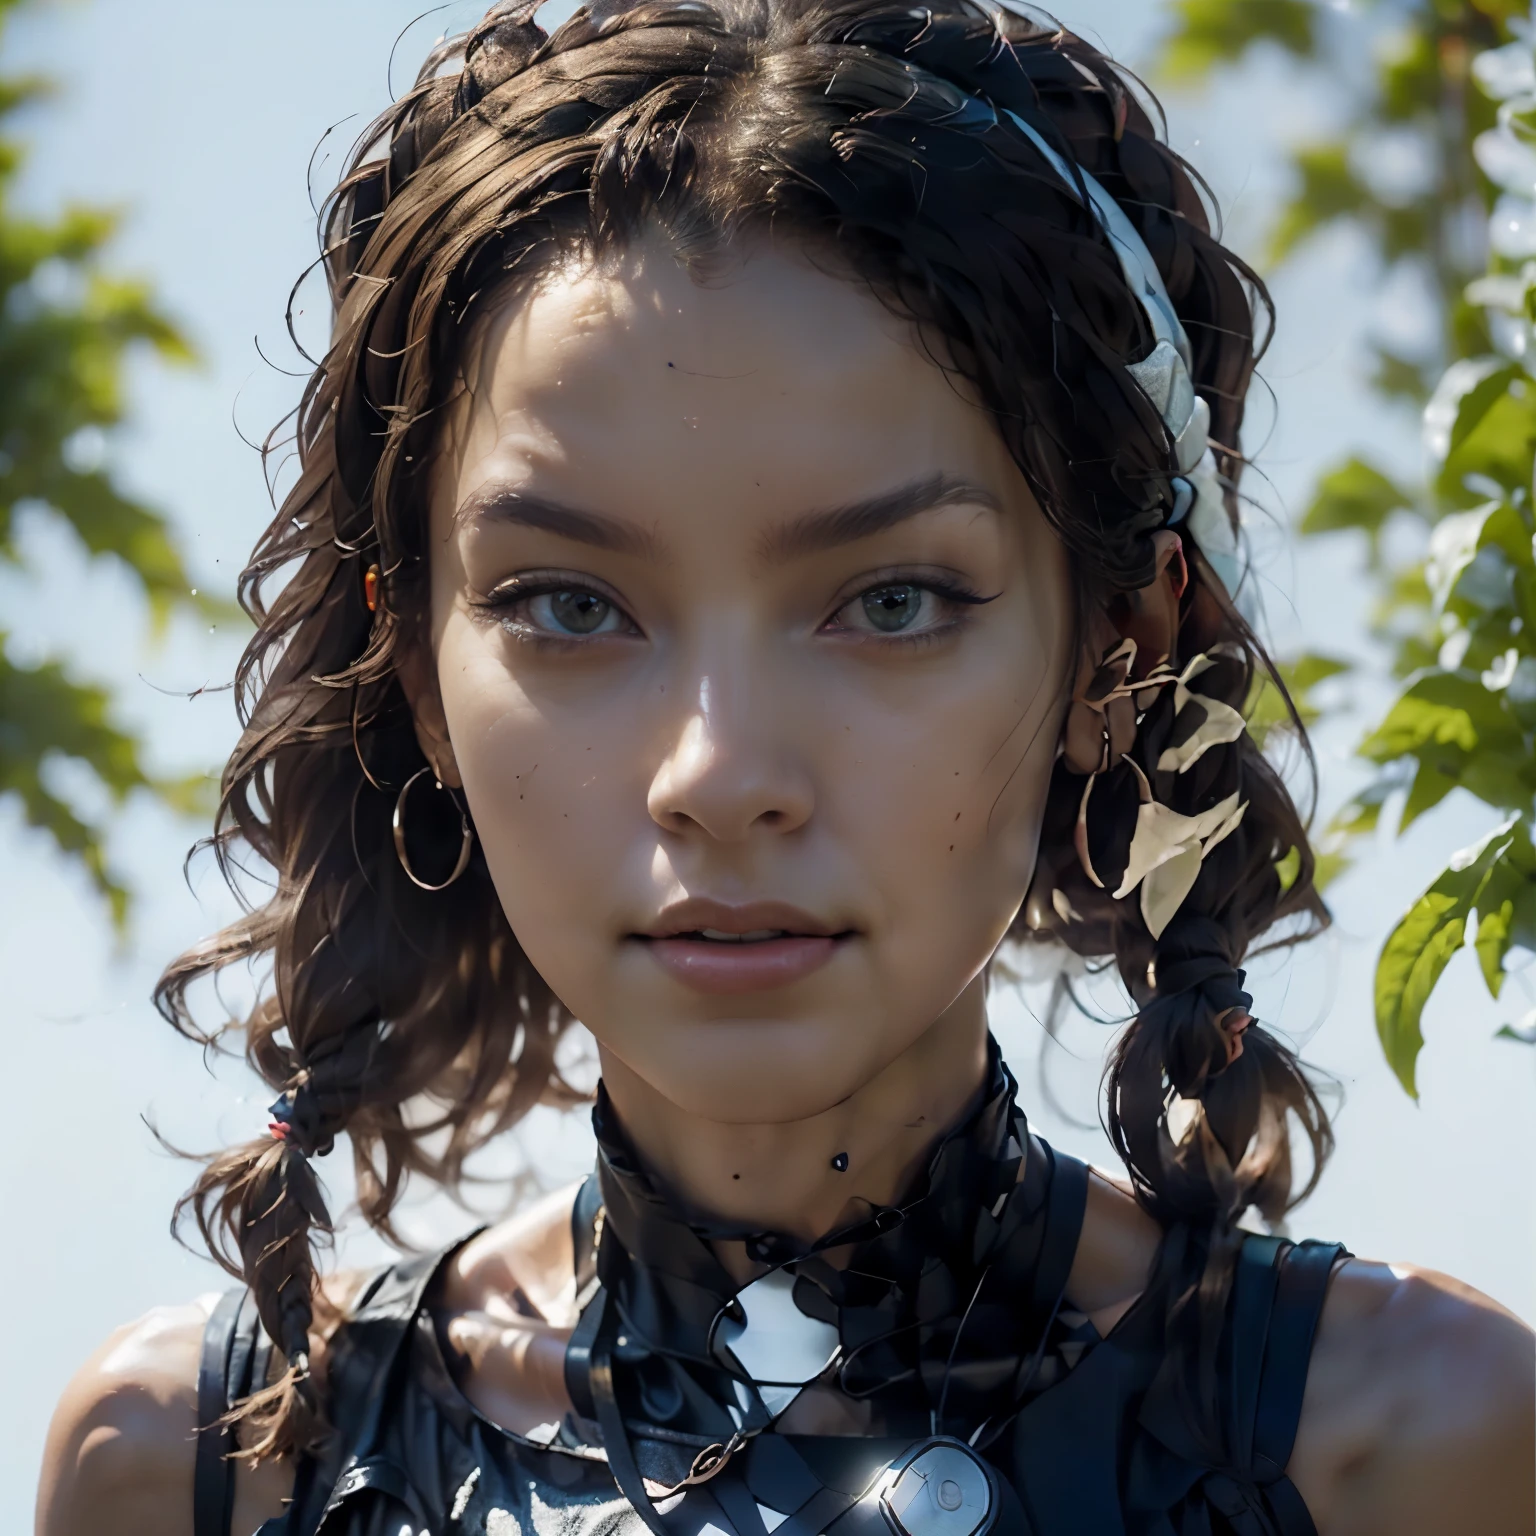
[{"x": 942, "y": 1302}]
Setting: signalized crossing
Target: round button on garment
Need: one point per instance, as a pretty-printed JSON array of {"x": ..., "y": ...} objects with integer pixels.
[{"x": 941, "y": 1490}]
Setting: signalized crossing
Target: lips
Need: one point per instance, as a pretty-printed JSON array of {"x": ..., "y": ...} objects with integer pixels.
[{"x": 718, "y": 949}]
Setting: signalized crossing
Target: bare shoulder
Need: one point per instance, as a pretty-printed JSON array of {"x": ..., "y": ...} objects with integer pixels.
[
  {"x": 121, "y": 1447},
  {"x": 507, "y": 1306},
  {"x": 1420, "y": 1409},
  {"x": 526, "y": 1263},
  {"x": 120, "y": 1443},
  {"x": 1116, "y": 1250}
]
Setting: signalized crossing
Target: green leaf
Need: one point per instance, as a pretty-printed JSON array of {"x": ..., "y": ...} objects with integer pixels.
[
  {"x": 1412, "y": 723},
  {"x": 1430, "y": 786},
  {"x": 1329, "y": 190},
  {"x": 1411, "y": 962},
  {"x": 1478, "y": 882},
  {"x": 69, "y": 327},
  {"x": 1288, "y": 869},
  {"x": 1211, "y": 32},
  {"x": 1493, "y": 928},
  {"x": 1400, "y": 378},
  {"x": 1266, "y": 709},
  {"x": 1355, "y": 495},
  {"x": 1327, "y": 867}
]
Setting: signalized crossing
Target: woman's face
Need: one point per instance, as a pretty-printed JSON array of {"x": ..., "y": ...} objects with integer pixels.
[{"x": 752, "y": 648}]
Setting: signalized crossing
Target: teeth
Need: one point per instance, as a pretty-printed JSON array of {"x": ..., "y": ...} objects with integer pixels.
[{"x": 757, "y": 936}]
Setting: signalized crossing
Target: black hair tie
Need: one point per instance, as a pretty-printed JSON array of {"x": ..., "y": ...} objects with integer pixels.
[
  {"x": 1196, "y": 986},
  {"x": 296, "y": 1120}
]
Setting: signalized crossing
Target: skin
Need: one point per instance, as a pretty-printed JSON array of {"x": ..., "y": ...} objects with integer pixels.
[{"x": 736, "y": 729}]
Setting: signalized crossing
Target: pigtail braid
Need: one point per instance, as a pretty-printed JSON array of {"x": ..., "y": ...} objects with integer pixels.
[{"x": 1202, "y": 1100}]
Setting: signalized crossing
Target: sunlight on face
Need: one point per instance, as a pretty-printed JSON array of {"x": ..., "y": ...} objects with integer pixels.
[{"x": 752, "y": 645}]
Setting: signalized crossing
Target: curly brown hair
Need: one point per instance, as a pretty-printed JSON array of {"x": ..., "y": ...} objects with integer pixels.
[{"x": 867, "y": 128}]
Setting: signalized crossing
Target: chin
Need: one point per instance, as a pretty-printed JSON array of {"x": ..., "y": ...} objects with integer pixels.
[{"x": 762, "y": 1071}]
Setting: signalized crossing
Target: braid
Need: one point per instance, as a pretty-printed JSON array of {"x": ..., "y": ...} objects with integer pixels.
[{"x": 1201, "y": 1098}]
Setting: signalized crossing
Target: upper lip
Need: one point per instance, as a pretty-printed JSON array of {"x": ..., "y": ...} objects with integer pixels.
[{"x": 699, "y": 912}]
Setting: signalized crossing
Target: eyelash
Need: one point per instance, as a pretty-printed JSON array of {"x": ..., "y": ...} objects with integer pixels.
[
  {"x": 946, "y": 589},
  {"x": 504, "y": 602}
]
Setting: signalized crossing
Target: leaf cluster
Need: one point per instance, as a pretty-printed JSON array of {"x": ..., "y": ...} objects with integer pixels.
[
  {"x": 1460, "y": 621},
  {"x": 67, "y": 328},
  {"x": 1417, "y": 106}
]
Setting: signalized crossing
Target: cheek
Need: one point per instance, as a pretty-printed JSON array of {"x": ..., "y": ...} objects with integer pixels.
[
  {"x": 945, "y": 808},
  {"x": 544, "y": 791}
]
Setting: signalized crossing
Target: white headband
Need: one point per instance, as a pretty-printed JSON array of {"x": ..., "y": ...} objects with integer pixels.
[{"x": 1163, "y": 376}]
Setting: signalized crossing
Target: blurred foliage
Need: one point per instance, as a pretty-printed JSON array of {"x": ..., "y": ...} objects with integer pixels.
[
  {"x": 1452, "y": 89},
  {"x": 67, "y": 327}
]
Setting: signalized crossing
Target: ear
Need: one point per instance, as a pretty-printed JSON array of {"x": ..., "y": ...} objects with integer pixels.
[
  {"x": 1150, "y": 615},
  {"x": 415, "y": 668},
  {"x": 1096, "y": 736}
]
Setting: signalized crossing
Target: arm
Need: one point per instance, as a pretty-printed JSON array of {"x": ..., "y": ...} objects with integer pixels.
[
  {"x": 1420, "y": 1410},
  {"x": 120, "y": 1449}
]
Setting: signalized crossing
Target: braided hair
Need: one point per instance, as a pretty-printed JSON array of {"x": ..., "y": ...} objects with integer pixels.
[{"x": 872, "y": 130}]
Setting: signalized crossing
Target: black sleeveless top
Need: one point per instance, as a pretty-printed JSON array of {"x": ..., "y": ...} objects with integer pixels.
[{"x": 948, "y": 1318}]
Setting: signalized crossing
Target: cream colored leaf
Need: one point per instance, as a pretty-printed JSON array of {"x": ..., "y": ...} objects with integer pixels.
[
  {"x": 1207, "y": 822},
  {"x": 1164, "y": 889},
  {"x": 1160, "y": 833},
  {"x": 1222, "y": 724},
  {"x": 1229, "y": 826}
]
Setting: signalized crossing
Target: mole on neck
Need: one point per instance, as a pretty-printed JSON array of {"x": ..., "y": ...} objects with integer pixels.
[{"x": 806, "y": 1177}]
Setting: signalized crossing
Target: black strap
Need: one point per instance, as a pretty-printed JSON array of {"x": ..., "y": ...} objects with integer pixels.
[
  {"x": 584, "y": 1209},
  {"x": 224, "y": 1376},
  {"x": 1254, "y": 1285},
  {"x": 621, "y": 1455},
  {"x": 1301, "y": 1288},
  {"x": 1068, "y": 1203}
]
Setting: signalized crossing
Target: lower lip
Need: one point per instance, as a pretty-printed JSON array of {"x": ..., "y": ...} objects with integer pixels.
[{"x": 725, "y": 968}]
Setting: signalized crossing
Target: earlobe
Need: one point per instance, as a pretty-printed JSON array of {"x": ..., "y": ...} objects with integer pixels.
[{"x": 418, "y": 681}]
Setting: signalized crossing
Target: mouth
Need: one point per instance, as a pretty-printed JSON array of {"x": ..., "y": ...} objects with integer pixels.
[{"x": 718, "y": 949}]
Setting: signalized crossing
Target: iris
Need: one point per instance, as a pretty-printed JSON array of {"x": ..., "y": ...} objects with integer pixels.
[
  {"x": 580, "y": 613},
  {"x": 893, "y": 608}
]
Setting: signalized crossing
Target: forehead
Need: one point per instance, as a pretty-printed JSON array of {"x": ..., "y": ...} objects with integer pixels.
[{"x": 778, "y": 375}]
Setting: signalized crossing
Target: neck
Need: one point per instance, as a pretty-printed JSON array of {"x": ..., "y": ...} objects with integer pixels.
[{"x": 780, "y": 1177}]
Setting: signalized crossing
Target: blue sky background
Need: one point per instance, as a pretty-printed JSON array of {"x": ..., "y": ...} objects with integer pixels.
[{"x": 199, "y": 120}]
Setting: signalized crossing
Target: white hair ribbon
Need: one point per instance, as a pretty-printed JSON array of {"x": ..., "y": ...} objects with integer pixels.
[{"x": 1163, "y": 376}]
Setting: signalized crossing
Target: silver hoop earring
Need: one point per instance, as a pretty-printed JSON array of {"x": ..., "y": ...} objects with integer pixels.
[{"x": 465, "y": 846}]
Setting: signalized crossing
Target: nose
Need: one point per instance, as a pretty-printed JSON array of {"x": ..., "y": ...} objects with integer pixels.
[{"x": 732, "y": 771}]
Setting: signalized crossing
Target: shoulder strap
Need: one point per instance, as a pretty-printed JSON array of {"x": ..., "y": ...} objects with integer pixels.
[
  {"x": 1300, "y": 1290},
  {"x": 578, "y": 1351},
  {"x": 1279, "y": 1294},
  {"x": 1067, "y": 1202},
  {"x": 223, "y": 1378},
  {"x": 584, "y": 1209}
]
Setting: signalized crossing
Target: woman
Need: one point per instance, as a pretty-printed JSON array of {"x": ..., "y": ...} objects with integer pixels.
[{"x": 763, "y": 543}]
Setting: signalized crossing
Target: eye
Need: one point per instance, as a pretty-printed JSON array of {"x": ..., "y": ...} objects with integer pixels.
[
  {"x": 905, "y": 609},
  {"x": 574, "y": 612},
  {"x": 553, "y": 610},
  {"x": 894, "y": 608}
]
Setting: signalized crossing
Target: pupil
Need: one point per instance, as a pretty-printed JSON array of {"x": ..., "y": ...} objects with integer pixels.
[
  {"x": 579, "y": 612},
  {"x": 892, "y": 608}
]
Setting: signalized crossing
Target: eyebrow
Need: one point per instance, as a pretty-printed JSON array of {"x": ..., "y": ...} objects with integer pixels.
[
  {"x": 815, "y": 532},
  {"x": 810, "y": 533},
  {"x": 507, "y": 504}
]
